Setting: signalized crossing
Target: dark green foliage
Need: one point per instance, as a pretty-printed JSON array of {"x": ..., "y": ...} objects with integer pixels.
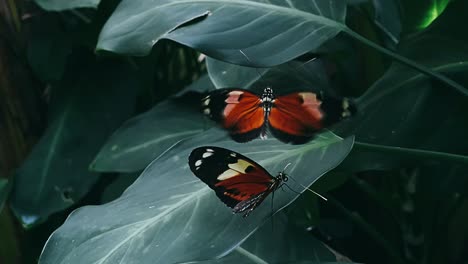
[
  {"x": 5, "y": 188},
  {"x": 398, "y": 193}
]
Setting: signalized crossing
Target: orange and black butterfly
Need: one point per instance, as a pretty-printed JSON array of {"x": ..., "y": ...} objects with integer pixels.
[
  {"x": 292, "y": 118},
  {"x": 238, "y": 181}
]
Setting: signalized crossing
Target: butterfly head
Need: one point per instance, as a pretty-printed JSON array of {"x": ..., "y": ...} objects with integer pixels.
[
  {"x": 282, "y": 176},
  {"x": 267, "y": 95}
]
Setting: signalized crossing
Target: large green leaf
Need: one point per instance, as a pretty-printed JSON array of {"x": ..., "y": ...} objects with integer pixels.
[
  {"x": 84, "y": 110},
  {"x": 60, "y": 5},
  {"x": 406, "y": 109},
  {"x": 4, "y": 191},
  {"x": 115, "y": 189},
  {"x": 170, "y": 216},
  {"x": 387, "y": 18},
  {"x": 278, "y": 242},
  {"x": 418, "y": 15},
  {"x": 268, "y": 32},
  {"x": 143, "y": 138},
  {"x": 291, "y": 76},
  {"x": 48, "y": 48},
  {"x": 238, "y": 31}
]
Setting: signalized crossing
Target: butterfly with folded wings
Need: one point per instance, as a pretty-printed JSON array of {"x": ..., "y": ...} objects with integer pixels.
[{"x": 238, "y": 181}]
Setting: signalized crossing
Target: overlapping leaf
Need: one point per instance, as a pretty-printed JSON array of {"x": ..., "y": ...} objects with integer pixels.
[
  {"x": 405, "y": 109},
  {"x": 60, "y": 5},
  {"x": 268, "y": 32},
  {"x": 169, "y": 216},
  {"x": 143, "y": 138},
  {"x": 82, "y": 115},
  {"x": 278, "y": 242}
]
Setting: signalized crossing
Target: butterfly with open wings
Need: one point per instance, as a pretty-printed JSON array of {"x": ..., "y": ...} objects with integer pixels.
[
  {"x": 292, "y": 118},
  {"x": 238, "y": 181}
]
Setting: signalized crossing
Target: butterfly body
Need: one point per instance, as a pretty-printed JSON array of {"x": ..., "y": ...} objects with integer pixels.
[
  {"x": 238, "y": 181},
  {"x": 292, "y": 118}
]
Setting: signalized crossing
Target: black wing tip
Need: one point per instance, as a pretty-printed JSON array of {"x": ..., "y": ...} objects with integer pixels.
[
  {"x": 350, "y": 105},
  {"x": 337, "y": 109}
]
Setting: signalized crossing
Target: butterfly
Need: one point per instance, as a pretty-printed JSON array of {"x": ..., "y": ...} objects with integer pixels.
[
  {"x": 292, "y": 118},
  {"x": 238, "y": 181}
]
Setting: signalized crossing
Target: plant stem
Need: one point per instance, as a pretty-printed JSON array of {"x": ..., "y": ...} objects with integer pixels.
[
  {"x": 408, "y": 62},
  {"x": 413, "y": 152},
  {"x": 369, "y": 229}
]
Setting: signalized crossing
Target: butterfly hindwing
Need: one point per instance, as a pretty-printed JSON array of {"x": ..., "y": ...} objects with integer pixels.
[
  {"x": 238, "y": 111},
  {"x": 234, "y": 177}
]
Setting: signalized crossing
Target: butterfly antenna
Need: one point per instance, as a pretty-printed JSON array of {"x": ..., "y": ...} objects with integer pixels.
[
  {"x": 306, "y": 188},
  {"x": 245, "y": 55},
  {"x": 310, "y": 190}
]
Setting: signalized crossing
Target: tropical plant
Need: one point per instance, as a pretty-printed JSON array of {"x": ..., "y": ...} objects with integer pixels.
[{"x": 105, "y": 102}]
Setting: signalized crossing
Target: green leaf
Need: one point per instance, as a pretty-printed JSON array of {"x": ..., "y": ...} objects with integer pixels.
[
  {"x": 48, "y": 48},
  {"x": 117, "y": 187},
  {"x": 84, "y": 110},
  {"x": 399, "y": 109},
  {"x": 60, "y": 5},
  {"x": 202, "y": 85},
  {"x": 143, "y": 138},
  {"x": 418, "y": 15},
  {"x": 169, "y": 215},
  {"x": 5, "y": 188},
  {"x": 278, "y": 242},
  {"x": 268, "y": 33},
  {"x": 387, "y": 18},
  {"x": 286, "y": 77}
]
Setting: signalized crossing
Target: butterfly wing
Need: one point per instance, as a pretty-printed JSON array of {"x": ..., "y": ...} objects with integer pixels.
[
  {"x": 297, "y": 117},
  {"x": 234, "y": 177},
  {"x": 238, "y": 111}
]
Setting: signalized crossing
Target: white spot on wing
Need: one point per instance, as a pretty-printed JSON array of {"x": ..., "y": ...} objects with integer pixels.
[
  {"x": 207, "y": 101},
  {"x": 209, "y": 150},
  {"x": 206, "y": 111},
  {"x": 198, "y": 163},
  {"x": 207, "y": 154}
]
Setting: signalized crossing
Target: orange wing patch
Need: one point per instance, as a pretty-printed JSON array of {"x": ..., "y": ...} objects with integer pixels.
[
  {"x": 243, "y": 112},
  {"x": 297, "y": 114}
]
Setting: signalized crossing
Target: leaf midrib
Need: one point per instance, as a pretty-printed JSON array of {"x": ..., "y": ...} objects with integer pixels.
[
  {"x": 151, "y": 220},
  {"x": 52, "y": 150}
]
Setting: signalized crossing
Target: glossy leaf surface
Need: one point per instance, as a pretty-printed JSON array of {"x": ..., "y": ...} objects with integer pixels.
[
  {"x": 268, "y": 32},
  {"x": 60, "y": 5},
  {"x": 168, "y": 203}
]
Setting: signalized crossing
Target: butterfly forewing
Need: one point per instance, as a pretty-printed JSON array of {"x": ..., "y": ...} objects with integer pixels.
[
  {"x": 234, "y": 177},
  {"x": 238, "y": 111}
]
